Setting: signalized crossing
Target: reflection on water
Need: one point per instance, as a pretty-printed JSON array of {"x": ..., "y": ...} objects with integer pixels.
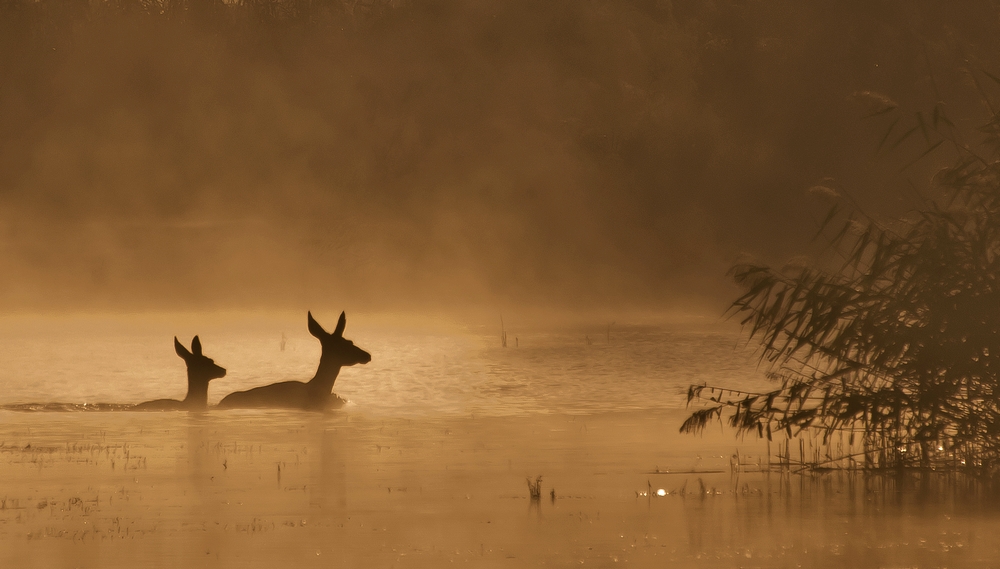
[{"x": 275, "y": 489}]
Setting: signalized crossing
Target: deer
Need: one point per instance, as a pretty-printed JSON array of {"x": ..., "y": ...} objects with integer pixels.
[
  {"x": 200, "y": 370},
  {"x": 315, "y": 394}
]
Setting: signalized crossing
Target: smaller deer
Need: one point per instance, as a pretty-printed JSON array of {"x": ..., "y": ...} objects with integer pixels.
[
  {"x": 200, "y": 370},
  {"x": 315, "y": 394}
]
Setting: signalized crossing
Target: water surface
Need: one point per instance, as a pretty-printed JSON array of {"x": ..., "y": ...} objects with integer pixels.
[
  {"x": 427, "y": 466},
  {"x": 427, "y": 369}
]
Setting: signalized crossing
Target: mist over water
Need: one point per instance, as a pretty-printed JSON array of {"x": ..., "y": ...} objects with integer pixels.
[{"x": 429, "y": 154}]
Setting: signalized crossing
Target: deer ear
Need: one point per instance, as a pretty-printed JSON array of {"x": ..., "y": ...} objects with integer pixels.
[
  {"x": 341, "y": 324},
  {"x": 196, "y": 346},
  {"x": 315, "y": 329},
  {"x": 180, "y": 349}
]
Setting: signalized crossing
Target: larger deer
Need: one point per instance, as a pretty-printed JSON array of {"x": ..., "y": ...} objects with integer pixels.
[
  {"x": 315, "y": 394},
  {"x": 200, "y": 370}
]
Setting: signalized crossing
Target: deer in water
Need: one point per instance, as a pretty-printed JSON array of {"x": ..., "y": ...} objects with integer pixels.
[
  {"x": 200, "y": 370},
  {"x": 315, "y": 394}
]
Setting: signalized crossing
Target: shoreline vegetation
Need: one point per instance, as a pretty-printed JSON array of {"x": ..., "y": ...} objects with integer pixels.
[{"x": 886, "y": 355}]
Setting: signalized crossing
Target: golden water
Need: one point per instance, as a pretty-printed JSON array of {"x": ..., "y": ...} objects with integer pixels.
[{"x": 428, "y": 465}]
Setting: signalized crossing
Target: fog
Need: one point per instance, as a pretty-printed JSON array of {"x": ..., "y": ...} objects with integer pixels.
[{"x": 429, "y": 154}]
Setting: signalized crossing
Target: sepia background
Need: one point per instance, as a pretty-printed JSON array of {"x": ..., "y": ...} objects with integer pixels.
[
  {"x": 527, "y": 211},
  {"x": 452, "y": 155}
]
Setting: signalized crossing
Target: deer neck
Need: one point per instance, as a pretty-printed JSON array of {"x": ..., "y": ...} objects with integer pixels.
[
  {"x": 197, "y": 395},
  {"x": 326, "y": 375}
]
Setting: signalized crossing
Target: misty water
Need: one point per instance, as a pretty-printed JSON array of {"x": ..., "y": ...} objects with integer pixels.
[
  {"x": 427, "y": 463},
  {"x": 418, "y": 368}
]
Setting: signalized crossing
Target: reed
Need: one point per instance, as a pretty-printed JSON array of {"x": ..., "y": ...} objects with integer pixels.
[
  {"x": 535, "y": 488},
  {"x": 503, "y": 334},
  {"x": 894, "y": 353}
]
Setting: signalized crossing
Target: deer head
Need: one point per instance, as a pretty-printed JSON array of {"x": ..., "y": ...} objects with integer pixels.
[
  {"x": 337, "y": 350},
  {"x": 200, "y": 368}
]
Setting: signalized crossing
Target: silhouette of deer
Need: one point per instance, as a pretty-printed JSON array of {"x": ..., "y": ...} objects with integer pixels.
[
  {"x": 200, "y": 370},
  {"x": 316, "y": 394}
]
